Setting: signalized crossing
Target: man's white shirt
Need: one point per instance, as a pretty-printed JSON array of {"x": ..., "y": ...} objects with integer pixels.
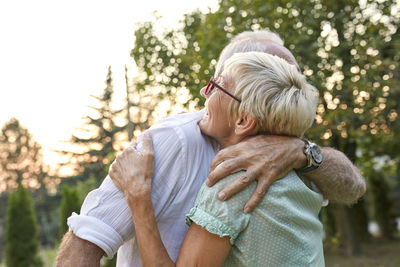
[{"x": 182, "y": 160}]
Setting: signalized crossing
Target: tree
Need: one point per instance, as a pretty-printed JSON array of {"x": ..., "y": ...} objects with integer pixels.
[
  {"x": 47, "y": 213},
  {"x": 96, "y": 150},
  {"x": 21, "y": 159},
  {"x": 110, "y": 262},
  {"x": 140, "y": 106},
  {"x": 379, "y": 173},
  {"x": 22, "y": 246},
  {"x": 70, "y": 203},
  {"x": 348, "y": 49}
]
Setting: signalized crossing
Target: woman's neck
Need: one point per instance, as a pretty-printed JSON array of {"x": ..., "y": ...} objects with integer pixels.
[{"x": 230, "y": 141}]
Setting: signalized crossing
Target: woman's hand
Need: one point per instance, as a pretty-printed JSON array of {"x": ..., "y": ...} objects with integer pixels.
[{"x": 132, "y": 171}]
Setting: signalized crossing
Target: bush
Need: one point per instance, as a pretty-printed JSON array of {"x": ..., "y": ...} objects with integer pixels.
[
  {"x": 70, "y": 202},
  {"x": 22, "y": 245}
]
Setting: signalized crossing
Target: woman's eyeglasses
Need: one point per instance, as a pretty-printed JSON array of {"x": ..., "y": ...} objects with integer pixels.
[{"x": 211, "y": 86}]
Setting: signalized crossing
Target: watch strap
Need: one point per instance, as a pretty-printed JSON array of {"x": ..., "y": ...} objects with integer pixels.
[{"x": 311, "y": 162}]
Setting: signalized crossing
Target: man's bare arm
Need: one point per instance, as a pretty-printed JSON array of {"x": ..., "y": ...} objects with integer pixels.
[
  {"x": 77, "y": 252},
  {"x": 337, "y": 177},
  {"x": 268, "y": 158}
]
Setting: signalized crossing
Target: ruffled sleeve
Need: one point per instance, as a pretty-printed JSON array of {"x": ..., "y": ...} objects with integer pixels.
[{"x": 222, "y": 218}]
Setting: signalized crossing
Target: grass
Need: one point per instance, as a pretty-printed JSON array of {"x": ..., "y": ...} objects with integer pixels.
[
  {"x": 48, "y": 257},
  {"x": 377, "y": 253}
]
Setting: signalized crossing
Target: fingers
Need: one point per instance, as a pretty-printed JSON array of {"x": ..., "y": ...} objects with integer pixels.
[
  {"x": 133, "y": 144},
  {"x": 259, "y": 193},
  {"x": 111, "y": 172},
  {"x": 220, "y": 157},
  {"x": 114, "y": 165},
  {"x": 114, "y": 171},
  {"x": 222, "y": 170},
  {"x": 147, "y": 144},
  {"x": 238, "y": 185},
  {"x": 223, "y": 155},
  {"x": 148, "y": 152},
  {"x": 115, "y": 175}
]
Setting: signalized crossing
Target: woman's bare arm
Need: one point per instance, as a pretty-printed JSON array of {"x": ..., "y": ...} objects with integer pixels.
[
  {"x": 200, "y": 247},
  {"x": 151, "y": 248},
  {"x": 132, "y": 172}
]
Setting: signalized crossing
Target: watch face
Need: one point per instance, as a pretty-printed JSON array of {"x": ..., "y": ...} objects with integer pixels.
[{"x": 316, "y": 154}]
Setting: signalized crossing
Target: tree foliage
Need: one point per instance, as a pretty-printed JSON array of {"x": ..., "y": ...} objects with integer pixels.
[
  {"x": 141, "y": 104},
  {"x": 349, "y": 50},
  {"x": 96, "y": 149},
  {"x": 21, "y": 159},
  {"x": 381, "y": 178},
  {"x": 22, "y": 246},
  {"x": 70, "y": 202}
]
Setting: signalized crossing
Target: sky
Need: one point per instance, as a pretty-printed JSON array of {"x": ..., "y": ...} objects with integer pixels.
[{"x": 54, "y": 54}]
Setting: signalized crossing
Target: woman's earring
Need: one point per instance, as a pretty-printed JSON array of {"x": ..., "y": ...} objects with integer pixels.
[{"x": 235, "y": 131}]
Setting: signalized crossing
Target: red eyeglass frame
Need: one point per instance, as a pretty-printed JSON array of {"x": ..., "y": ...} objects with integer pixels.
[{"x": 212, "y": 84}]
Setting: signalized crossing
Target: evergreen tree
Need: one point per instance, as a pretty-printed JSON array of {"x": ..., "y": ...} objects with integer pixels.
[
  {"x": 97, "y": 150},
  {"x": 21, "y": 159},
  {"x": 70, "y": 203},
  {"x": 379, "y": 174},
  {"x": 110, "y": 262},
  {"x": 22, "y": 246},
  {"x": 141, "y": 102}
]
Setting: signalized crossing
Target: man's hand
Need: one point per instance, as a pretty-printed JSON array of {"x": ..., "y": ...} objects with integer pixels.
[
  {"x": 78, "y": 252},
  {"x": 265, "y": 158}
]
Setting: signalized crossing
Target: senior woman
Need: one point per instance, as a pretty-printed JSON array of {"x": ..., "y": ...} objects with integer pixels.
[{"x": 257, "y": 93}]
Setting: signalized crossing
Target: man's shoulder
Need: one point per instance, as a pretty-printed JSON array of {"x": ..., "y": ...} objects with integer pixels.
[
  {"x": 179, "y": 120},
  {"x": 180, "y": 130}
]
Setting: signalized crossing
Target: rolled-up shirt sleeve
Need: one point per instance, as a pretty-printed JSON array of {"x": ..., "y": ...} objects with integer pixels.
[
  {"x": 105, "y": 218},
  {"x": 103, "y": 211}
]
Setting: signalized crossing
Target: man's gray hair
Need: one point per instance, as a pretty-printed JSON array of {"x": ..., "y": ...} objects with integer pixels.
[
  {"x": 259, "y": 35},
  {"x": 247, "y": 41},
  {"x": 273, "y": 91}
]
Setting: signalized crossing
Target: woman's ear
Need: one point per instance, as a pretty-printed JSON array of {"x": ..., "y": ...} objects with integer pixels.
[{"x": 246, "y": 125}]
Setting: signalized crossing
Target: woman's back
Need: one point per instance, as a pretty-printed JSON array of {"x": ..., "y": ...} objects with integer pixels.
[{"x": 284, "y": 229}]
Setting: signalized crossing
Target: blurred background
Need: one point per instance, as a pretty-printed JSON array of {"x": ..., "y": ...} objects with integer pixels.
[{"x": 81, "y": 79}]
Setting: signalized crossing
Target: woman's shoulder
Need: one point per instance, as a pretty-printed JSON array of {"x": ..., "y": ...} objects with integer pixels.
[
  {"x": 293, "y": 185},
  {"x": 223, "y": 218},
  {"x": 287, "y": 193}
]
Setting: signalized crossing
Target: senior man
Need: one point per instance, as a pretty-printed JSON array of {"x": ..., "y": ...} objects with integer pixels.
[{"x": 182, "y": 160}]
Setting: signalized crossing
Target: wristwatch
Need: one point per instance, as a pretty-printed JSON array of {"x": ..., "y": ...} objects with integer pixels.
[{"x": 313, "y": 154}]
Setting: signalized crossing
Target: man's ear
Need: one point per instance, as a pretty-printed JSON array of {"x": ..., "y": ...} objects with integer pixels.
[{"x": 246, "y": 125}]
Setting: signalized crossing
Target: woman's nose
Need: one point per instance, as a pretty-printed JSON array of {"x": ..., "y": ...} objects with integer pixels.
[{"x": 202, "y": 92}]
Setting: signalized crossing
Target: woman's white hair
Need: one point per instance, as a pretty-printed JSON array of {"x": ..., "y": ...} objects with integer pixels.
[
  {"x": 246, "y": 41},
  {"x": 273, "y": 91}
]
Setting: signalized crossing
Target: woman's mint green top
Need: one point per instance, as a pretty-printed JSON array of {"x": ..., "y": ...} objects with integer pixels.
[{"x": 283, "y": 230}]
